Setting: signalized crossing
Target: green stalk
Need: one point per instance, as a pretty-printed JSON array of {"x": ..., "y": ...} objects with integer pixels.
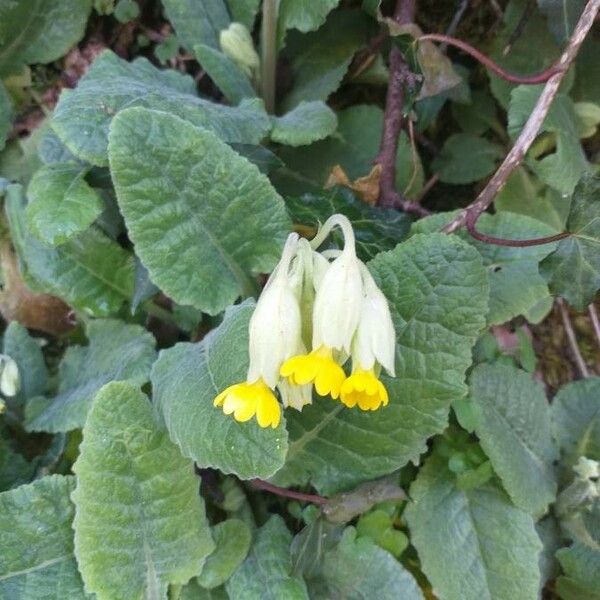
[{"x": 268, "y": 53}]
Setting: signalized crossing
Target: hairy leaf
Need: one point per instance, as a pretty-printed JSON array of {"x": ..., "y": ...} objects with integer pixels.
[
  {"x": 437, "y": 288},
  {"x": 304, "y": 15},
  {"x": 147, "y": 529},
  {"x": 581, "y": 565},
  {"x": 116, "y": 351},
  {"x": 513, "y": 426},
  {"x": 82, "y": 116},
  {"x": 473, "y": 545},
  {"x": 36, "y": 546},
  {"x": 266, "y": 573},
  {"x": 244, "y": 11},
  {"x": 202, "y": 218},
  {"x": 308, "y": 122}
]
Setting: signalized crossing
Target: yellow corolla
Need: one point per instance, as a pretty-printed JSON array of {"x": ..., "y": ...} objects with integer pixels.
[
  {"x": 363, "y": 388},
  {"x": 318, "y": 367},
  {"x": 244, "y": 400}
]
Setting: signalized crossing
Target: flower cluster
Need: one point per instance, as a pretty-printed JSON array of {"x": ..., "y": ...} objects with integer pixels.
[{"x": 317, "y": 310}]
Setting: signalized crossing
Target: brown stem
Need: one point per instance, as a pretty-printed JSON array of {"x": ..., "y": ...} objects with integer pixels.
[
  {"x": 285, "y": 493},
  {"x": 566, "y": 319},
  {"x": 489, "y": 63},
  {"x": 533, "y": 125},
  {"x": 595, "y": 321}
]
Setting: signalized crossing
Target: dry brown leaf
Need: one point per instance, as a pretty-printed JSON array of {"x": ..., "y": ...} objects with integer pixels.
[{"x": 366, "y": 188}]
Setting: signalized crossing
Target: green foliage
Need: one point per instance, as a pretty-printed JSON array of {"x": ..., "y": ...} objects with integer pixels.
[
  {"x": 165, "y": 536},
  {"x": 581, "y": 565},
  {"x": 305, "y": 124},
  {"x": 5, "y": 115}
]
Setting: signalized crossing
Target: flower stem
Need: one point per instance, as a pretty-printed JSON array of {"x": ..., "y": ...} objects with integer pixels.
[
  {"x": 285, "y": 493},
  {"x": 268, "y": 52}
]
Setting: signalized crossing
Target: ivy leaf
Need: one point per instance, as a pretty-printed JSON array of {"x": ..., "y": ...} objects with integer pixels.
[
  {"x": 36, "y": 548},
  {"x": 187, "y": 378},
  {"x": 232, "y": 538},
  {"x": 220, "y": 222},
  {"x": 466, "y": 158},
  {"x": 473, "y": 544},
  {"x": 197, "y": 22},
  {"x": 61, "y": 203},
  {"x": 82, "y": 116},
  {"x": 513, "y": 426},
  {"x": 573, "y": 269},
  {"x": 39, "y": 31},
  {"x": 437, "y": 289},
  {"x": 165, "y": 536},
  {"x": 576, "y": 418},
  {"x": 6, "y": 114},
  {"x": 562, "y": 16},
  {"x": 357, "y": 568},
  {"x": 90, "y": 272},
  {"x": 376, "y": 229},
  {"x": 27, "y": 353},
  {"x": 267, "y": 572},
  {"x": 228, "y": 77},
  {"x": 308, "y": 122},
  {"x": 353, "y": 146},
  {"x": 581, "y": 565},
  {"x": 116, "y": 351}
]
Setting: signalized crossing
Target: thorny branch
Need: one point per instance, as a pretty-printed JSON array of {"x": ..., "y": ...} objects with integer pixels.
[{"x": 527, "y": 136}]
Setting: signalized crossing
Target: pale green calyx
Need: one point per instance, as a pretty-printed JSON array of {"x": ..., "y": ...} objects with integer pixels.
[
  {"x": 10, "y": 382},
  {"x": 236, "y": 43}
]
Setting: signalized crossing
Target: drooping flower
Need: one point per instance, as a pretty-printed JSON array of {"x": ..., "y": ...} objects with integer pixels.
[{"x": 10, "y": 381}]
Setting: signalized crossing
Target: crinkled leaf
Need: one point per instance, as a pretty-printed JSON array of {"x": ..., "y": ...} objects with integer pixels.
[
  {"x": 90, "y": 272},
  {"x": 36, "y": 547},
  {"x": 82, "y": 116},
  {"x": 437, "y": 289},
  {"x": 267, "y": 572},
  {"x": 353, "y": 146},
  {"x": 202, "y": 218},
  {"x": 581, "y": 565},
  {"x": 576, "y": 418},
  {"x": 187, "y": 378},
  {"x": 5, "y": 115},
  {"x": 308, "y": 122},
  {"x": 562, "y": 16},
  {"x": 357, "y": 568},
  {"x": 39, "y": 31},
  {"x": 197, "y": 22},
  {"x": 573, "y": 269},
  {"x": 466, "y": 158},
  {"x": 228, "y": 77},
  {"x": 193, "y": 591},
  {"x": 473, "y": 544},
  {"x": 116, "y": 352},
  {"x": 147, "y": 529},
  {"x": 304, "y": 15},
  {"x": 61, "y": 203},
  {"x": 232, "y": 538},
  {"x": 513, "y": 426}
]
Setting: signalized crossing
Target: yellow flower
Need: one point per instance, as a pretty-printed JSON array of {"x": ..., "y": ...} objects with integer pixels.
[
  {"x": 318, "y": 367},
  {"x": 363, "y": 388},
  {"x": 244, "y": 400}
]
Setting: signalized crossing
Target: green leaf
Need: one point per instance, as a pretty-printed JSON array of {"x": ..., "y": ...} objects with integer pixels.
[
  {"x": 354, "y": 146},
  {"x": 27, "y": 353},
  {"x": 187, "y": 378},
  {"x": 357, "y": 569},
  {"x": 39, "y": 31},
  {"x": 165, "y": 536},
  {"x": 82, "y": 116},
  {"x": 308, "y": 122},
  {"x": 473, "y": 544},
  {"x": 562, "y": 16},
  {"x": 220, "y": 222},
  {"x": 322, "y": 58},
  {"x": 513, "y": 426},
  {"x": 193, "y": 591},
  {"x": 232, "y": 538},
  {"x": 376, "y": 229},
  {"x": 573, "y": 269},
  {"x": 304, "y": 15},
  {"x": 15, "y": 470},
  {"x": 197, "y": 22},
  {"x": 228, "y": 77},
  {"x": 126, "y": 10},
  {"x": 576, "y": 418},
  {"x": 267, "y": 572},
  {"x": 61, "y": 203},
  {"x": 36, "y": 548},
  {"x": 116, "y": 351},
  {"x": 437, "y": 289},
  {"x": 6, "y": 114},
  {"x": 478, "y": 115},
  {"x": 466, "y": 158},
  {"x": 90, "y": 272},
  {"x": 562, "y": 169},
  {"x": 581, "y": 565},
  {"x": 244, "y": 11}
]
